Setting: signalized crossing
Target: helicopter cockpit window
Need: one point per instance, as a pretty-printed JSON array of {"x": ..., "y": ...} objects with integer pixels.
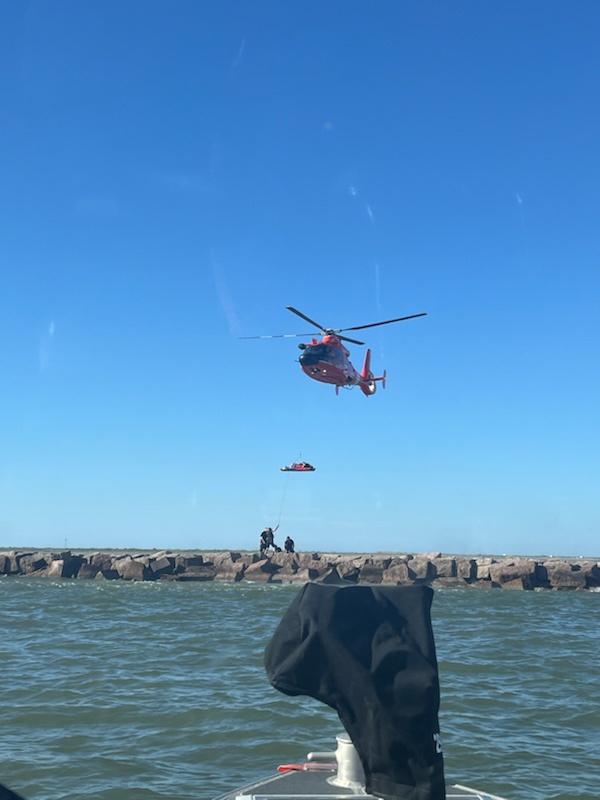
[
  {"x": 314, "y": 353},
  {"x": 335, "y": 356}
]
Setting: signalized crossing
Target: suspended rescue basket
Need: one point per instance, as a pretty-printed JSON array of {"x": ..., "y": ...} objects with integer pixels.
[{"x": 299, "y": 466}]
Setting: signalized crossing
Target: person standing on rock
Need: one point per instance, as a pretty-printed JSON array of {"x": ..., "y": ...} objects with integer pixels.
[
  {"x": 267, "y": 539},
  {"x": 289, "y": 545}
]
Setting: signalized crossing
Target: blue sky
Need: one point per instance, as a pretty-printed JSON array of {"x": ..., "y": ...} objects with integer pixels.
[{"x": 175, "y": 173}]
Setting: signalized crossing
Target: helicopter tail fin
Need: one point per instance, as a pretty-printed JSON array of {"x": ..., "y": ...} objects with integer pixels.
[
  {"x": 368, "y": 382},
  {"x": 366, "y": 370}
]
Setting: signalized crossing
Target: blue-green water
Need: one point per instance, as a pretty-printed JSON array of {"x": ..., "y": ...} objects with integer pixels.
[{"x": 115, "y": 691}]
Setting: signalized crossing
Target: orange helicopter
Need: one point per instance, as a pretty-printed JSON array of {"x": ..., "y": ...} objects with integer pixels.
[{"x": 328, "y": 361}]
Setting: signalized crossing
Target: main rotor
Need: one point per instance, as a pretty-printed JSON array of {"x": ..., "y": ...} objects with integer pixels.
[
  {"x": 336, "y": 331},
  {"x": 331, "y": 331}
]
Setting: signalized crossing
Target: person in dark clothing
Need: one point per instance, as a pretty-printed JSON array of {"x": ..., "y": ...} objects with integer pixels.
[
  {"x": 289, "y": 545},
  {"x": 267, "y": 539},
  {"x": 263, "y": 542}
]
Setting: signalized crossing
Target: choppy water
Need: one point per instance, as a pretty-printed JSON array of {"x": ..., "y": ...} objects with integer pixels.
[{"x": 115, "y": 691}]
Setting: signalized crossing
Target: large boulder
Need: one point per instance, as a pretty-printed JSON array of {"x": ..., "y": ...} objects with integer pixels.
[
  {"x": 231, "y": 566},
  {"x": 306, "y": 560},
  {"x": 513, "y": 573},
  {"x": 287, "y": 561},
  {"x": 592, "y": 574},
  {"x": 164, "y": 565},
  {"x": 182, "y": 563},
  {"x": 14, "y": 568},
  {"x": 421, "y": 569},
  {"x": 195, "y": 560},
  {"x": 372, "y": 570},
  {"x": 563, "y": 575},
  {"x": 332, "y": 577},
  {"x": 396, "y": 573},
  {"x": 132, "y": 569},
  {"x": 483, "y": 564},
  {"x": 229, "y": 557},
  {"x": 466, "y": 568},
  {"x": 288, "y": 566},
  {"x": 5, "y": 561},
  {"x": 57, "y": 569},
  {"x": 71, "y": 563},
  {"x": 143, "y": 558},
  {"x": 445, "y": 566},
  {"x": 262, "y": 571},
  {"x": 107, "y": 575},
  {"x": 14, "y": 557},
  {"x": 321, "y": 570},
  {"x": 299, "y": 577},
  {"x": 87, "y": 571},
  {"x": 230, "y": 573},
  {"x": 161, "y": 553},
  {"x": 32, "y": 562},
  {"x": 103, "y": 561},
  {"x": 349, "y": 572}
]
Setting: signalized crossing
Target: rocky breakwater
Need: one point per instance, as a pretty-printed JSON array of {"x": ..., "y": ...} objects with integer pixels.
[{"x": 434, "y": 569}]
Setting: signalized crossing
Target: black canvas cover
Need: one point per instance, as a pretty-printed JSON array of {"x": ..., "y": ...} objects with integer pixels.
[
  {"x": 7, "y": 794},
  {"x": 368, "y": 652}
]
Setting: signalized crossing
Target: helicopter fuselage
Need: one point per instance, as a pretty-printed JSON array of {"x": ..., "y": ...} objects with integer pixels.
[{"x": 327, "y": 360}]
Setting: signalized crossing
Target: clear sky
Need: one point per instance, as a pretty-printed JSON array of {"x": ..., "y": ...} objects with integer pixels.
[{"x": 174, "y": 173}]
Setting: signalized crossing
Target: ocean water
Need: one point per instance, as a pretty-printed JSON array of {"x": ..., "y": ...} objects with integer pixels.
[{"x": 135, "y": 691}]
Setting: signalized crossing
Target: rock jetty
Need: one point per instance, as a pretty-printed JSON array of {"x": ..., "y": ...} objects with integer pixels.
[{"x": 434, "y": 569}]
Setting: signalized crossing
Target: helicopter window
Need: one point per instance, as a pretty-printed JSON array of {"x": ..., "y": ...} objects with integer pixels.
[
  {"x": 314, "y": 353},
  {"x": 335, "y": 356}
]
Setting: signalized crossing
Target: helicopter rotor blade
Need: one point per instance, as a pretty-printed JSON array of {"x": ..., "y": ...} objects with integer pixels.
[
  {"x": 348, "y": 339},
  {"x": 385, "y": 322},
  {"x": 324, "y": 330},
  {"x": 277, "y": 336},
  {"x": 308, "y": 319},
  {"x": 293, "y": 335}
]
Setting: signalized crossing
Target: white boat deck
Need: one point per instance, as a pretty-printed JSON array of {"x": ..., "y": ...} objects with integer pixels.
[{"x": 313, "y": 784}]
